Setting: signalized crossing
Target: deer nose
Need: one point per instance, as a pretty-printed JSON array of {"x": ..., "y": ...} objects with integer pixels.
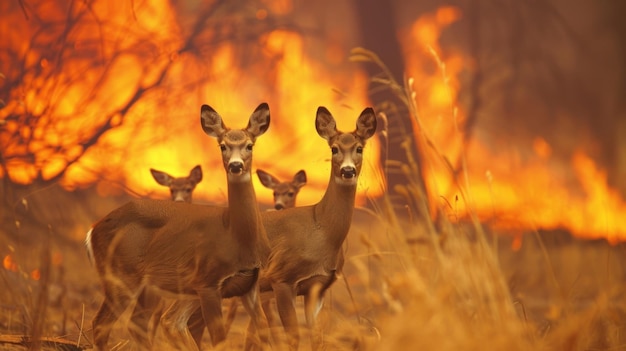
[
  {"x": 279, "y": 207},
  {"x": 348, "y": 172},
  {"x": 235, "y": 167}
]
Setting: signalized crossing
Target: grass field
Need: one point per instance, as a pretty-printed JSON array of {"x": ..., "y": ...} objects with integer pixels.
[{"x": 460, "y": 289}]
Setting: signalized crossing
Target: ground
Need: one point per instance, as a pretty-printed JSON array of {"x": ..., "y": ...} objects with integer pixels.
[{"x": 403, "y": 285}]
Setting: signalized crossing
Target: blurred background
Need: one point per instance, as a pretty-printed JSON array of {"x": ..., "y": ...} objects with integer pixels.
[
  {"x": 510, "y": 113},
  {"x": 528, "y": 96}
]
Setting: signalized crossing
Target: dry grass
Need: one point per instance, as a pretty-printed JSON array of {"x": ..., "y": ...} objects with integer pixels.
[{"x": 409, "y": 288}]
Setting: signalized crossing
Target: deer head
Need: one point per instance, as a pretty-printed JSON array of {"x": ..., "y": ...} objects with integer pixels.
[
  {"x": 285, "y": 193},
  {"x": 181, "y": 188}
]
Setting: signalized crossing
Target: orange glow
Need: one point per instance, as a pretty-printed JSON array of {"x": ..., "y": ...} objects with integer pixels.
[
  {"x": 516, "y": 244},
  {"x": 261, "y": 14},
  {"x": 512, "y": 187},
  {"x": 162, "y": 129},
  {"x": 9, "y": 263},
  {"x": 35, "y": 274},
  {"x": 280, "y": 7},
  {"x": 57, "y": 259},
  {"x": 542, "y": 148}
]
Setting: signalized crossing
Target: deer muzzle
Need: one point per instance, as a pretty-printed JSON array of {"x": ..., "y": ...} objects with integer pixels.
[
  {"x": 348, "y": 172},
  {"x": 235, "y": 167}
]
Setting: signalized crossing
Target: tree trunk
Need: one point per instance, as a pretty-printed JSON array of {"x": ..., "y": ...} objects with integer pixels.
[
  {"x": 617, "y": 171},
  {"x": 377, "y": 25}
]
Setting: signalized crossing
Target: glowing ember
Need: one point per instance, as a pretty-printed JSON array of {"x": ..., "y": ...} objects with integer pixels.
[
  {"x": 9, "y": 263},
  {"x": 35, "y": 274}
]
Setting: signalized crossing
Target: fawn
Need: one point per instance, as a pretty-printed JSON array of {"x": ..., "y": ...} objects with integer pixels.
[
  {"x": 181, "y": 188},
  {"x": 285, "y": 193}
]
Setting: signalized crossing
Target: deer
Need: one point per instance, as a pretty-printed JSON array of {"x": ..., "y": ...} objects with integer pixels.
[
  {"x": 306, "y": 255},
  {"x": 184, "y": 251},
  {"x": 181, "y": 188},
  {"x": 306, "y": 242},
  {"x": 285, "y": 193}
]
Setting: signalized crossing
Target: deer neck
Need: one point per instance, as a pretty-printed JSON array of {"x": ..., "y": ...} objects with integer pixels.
[
  {"x": 243, "y": 215},
  {"x": 334, "y": 211}
]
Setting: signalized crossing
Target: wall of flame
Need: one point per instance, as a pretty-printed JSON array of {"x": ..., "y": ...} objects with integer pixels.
[
  {"x": 162, "y": 130},
  {"x": 512, "y": 188}
]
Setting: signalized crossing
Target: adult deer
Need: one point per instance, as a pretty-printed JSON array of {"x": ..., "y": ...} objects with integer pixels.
[
  {"x": 185, "y": 251},
  {"x": 181, "y": 188},
  {"x": 285, "y": 193},
  {"x": 306, "y": 242}
]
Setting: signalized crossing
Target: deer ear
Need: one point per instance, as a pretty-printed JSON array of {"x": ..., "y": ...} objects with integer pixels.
[
  {"x": 259, "y": 120},
  {"x": 366, "y": 124},
  {"x": 299, "y": 179},
  {"x": 196, "y": 174},
  {"x": 211, "y": 122},
  {"x": 325, "y": 123},
  {"x": 268, "y": 180},
  {"x": 161, "y": 177}
]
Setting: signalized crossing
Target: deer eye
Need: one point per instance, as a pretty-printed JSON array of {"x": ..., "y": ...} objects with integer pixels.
[
  {"x": 290, "y": 194},
  {"x": 222, "y": 147},
  {"x": 334, "y": 150},
  {"x": 249, "y": 147},
  {"x": 359, "y": 150}
]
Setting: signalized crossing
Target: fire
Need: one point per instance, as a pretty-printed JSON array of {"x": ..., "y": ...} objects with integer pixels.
[
  {"x": 9, "y": 263},
  {"x": 139, "y": 73},
  {"x": 517, "y": 188},
  {"x": 161, "y": 130}
]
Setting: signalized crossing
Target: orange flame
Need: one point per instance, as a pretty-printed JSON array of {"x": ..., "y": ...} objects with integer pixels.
[
  {"x": 511, "y": 188},
  {"x": 162, "y": 131},
  {"x": 507, "y": 189}
]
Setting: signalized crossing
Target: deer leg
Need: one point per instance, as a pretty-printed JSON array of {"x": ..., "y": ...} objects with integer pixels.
[
  {"x": 211, "y": 304},
  {"x": 232, "y": 313},
  {"x": 273, "y": 322},
  {"x": 106, "y": 317},
  {"x": 313, "y": 302},
  {"x": 140, "y": 319},
  {"x": 175, "y": 322},
  {"x": 258, "y": 328},
  {"x": 285, "y": 303},
  {"x": 196, "y": 326}
]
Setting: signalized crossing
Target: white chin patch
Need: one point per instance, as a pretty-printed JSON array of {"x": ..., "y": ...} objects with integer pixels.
[
  {"x": 239, "y": 178},
  {"x": 346, "y": 181}
]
